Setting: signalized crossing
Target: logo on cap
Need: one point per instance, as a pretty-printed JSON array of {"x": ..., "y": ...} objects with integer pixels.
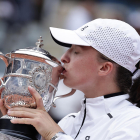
[{"x": 84, "y": 28}]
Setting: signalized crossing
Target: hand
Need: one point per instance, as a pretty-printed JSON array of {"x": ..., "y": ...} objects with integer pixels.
[
  {"x": 3, "y": 109},
  {"x": 38, "y": 117}
]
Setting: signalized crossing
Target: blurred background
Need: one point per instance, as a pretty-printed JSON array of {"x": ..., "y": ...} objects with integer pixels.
[{"x": 22, "y": 22}]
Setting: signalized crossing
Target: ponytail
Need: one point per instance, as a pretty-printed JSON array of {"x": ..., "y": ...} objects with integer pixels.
[{"x": 135, "y": 92}]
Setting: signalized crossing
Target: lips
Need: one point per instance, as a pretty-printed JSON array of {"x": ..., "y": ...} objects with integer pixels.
[
  {"x": 64, "y": 71},
  {"x": 62, "y": 76}
]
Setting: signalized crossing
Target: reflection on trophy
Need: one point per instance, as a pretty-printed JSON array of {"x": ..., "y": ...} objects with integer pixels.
[{"x": 28, "y": 67}]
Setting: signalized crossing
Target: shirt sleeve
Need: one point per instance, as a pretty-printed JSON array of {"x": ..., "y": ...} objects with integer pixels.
[
  {"x": 66, "y": 125},
  {"x": 128, "y": 131}
]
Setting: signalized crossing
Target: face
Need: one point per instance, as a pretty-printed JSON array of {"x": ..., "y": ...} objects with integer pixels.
[{"x": 81, "y": 67}]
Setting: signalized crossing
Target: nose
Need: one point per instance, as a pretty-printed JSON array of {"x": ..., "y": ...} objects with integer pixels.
[{"x": 65, "y": 58}]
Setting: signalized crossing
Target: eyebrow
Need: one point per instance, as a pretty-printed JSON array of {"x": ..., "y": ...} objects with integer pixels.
[{"x": 81, "y": 47}]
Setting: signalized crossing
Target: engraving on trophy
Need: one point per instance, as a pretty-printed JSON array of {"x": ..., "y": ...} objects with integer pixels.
[
  {"x": 41, "y": 77},
  {"x": 40, "y": 80},
  {"x": 19, "y": 101}
]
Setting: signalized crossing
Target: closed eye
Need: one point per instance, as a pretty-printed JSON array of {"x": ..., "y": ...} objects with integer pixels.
[{"x": 76, "y": 52}]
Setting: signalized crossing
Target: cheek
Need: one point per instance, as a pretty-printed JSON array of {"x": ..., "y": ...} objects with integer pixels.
[
  {"x": 85, "y": 73},
  {"x": 86, "y": 67},
  {"x": 81, "y": 73}
]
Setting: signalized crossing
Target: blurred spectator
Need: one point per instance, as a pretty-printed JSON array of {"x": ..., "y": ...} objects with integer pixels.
[
  {"x": 80, "y": 15},
  {"x": 111, "y": 11},
  {"x": 25, "y": 11},
  {"x": 15, "y": 17},
  {"x": 126, "y": 2},
  {"x": 6, "y": 9},
  {"x": 129, "y": 3},
  {"x": 134, "y": 19},
  {"x": 17, "y": 13},
  {"x": 50, "y": 8}
]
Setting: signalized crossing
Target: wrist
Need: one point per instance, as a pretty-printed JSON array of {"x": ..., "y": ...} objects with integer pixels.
[{"x": 54, "y": 137}]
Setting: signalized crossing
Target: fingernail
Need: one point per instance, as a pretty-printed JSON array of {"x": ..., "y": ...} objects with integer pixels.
[
  {"x": 12, "y": 120},
  {"x": 29, "y": 87},
  {"x": 8, "y": 112},
  {"x": 11, "y": 109}
]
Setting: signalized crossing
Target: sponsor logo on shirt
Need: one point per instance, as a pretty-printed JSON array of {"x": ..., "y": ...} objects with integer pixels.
[{"x": 87, "y": 137}]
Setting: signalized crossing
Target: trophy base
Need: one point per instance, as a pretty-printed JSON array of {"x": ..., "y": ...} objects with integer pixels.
[{"x": 21, "y": 131}]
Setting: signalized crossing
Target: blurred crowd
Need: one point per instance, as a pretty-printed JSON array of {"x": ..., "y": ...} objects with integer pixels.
[{"x": 22, "y": 22}]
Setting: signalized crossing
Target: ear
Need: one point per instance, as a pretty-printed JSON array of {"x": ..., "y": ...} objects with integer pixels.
[{"x": 105, "y": 68}]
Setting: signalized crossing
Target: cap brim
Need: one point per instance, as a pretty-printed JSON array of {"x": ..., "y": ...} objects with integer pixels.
[{"x": 66, "y": 37}]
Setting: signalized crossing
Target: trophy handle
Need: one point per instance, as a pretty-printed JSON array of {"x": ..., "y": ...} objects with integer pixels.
[
  {"x": 63, "y": 96},
  {"x": 2, "y": 84}
]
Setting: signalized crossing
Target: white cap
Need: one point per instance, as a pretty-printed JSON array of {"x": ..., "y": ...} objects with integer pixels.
[{"x": 114, "y": 38}]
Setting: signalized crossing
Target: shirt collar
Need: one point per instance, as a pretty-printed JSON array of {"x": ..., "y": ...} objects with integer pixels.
[{"x": 96, "y": 107}]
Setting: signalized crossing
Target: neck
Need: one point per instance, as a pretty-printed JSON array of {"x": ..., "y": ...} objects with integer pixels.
[{"x": 100, "y": 89}]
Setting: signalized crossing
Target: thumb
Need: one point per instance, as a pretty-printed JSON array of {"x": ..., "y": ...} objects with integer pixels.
[
  {"x": 2, "y": 107},
  {"x": 37, "y": 98}
]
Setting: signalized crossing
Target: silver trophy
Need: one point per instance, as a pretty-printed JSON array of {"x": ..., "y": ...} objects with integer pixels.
[{"x": 28, "y": 67}]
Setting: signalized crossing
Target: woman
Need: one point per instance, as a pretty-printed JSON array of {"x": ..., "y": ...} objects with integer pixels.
[{"x": 101, "y": 62}]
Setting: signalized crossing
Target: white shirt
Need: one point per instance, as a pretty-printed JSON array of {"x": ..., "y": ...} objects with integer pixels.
[{"x": 112, "y": 118}]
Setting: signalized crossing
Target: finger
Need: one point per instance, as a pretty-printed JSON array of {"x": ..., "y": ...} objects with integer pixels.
[
  {"x": 2, "y": 107},
  {"x": 22, "y": 109},
  {"x": 37, "y": 97},
  {"x": 1, "y": 92},
  {"x": 21, "y": 114},
  {"x": 22, "y": 121}
]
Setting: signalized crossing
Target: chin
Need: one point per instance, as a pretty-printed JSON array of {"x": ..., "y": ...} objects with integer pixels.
[{"x": 69, "y": 84}]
